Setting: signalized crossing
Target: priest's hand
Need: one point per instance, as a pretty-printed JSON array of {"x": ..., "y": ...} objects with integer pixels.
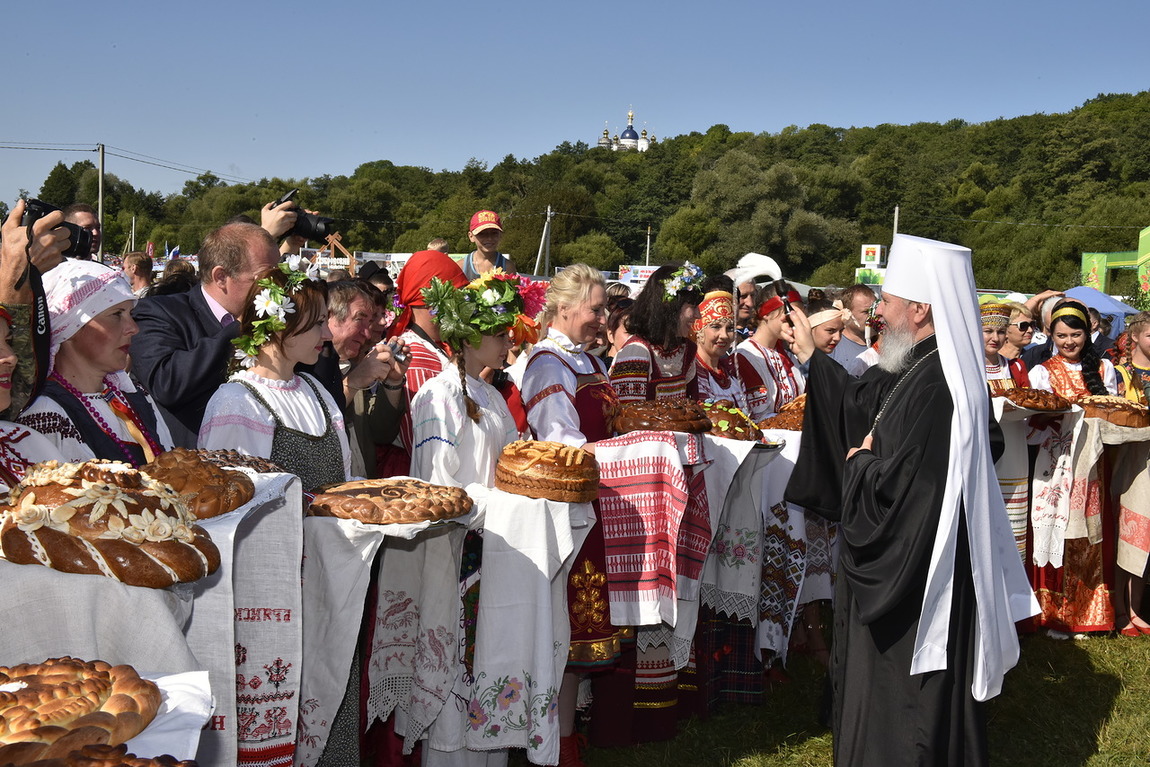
[
  {"x": 868, "y": 440},
  {"x": 803, "y": 343}
]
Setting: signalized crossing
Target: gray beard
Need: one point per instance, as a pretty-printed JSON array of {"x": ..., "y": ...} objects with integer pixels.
[{"x": 897, "y": 346}]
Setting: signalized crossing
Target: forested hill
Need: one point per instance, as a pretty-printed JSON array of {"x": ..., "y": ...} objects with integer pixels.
[{"x": 1027, "y": 194}]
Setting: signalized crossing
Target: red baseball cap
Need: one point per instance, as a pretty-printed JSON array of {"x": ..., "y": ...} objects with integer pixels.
[{"x": 485, "y": 219}]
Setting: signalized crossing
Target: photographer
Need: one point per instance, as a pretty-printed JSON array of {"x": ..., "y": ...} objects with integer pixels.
[
  {"x": 45, "y": 250},
  {"x": 292, "y": 227}
]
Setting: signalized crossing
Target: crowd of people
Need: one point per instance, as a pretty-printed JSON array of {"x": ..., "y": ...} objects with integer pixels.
[{"x": 433, "y": 374}]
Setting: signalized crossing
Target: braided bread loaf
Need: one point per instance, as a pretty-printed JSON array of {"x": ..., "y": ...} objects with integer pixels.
[
  {"x": 236, "y": 459},
  {"x": 64, "y": 704},
  {"x": 391, "y": 501},
  {"x": 662, "y": 415},
  {"x": 208, "y": 489},
  {"x": 111, "y": 756},
  {"x": 104, "y": 518}
]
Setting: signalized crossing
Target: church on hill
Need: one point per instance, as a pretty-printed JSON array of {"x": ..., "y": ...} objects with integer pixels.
[{"x": 629, "y": 140}]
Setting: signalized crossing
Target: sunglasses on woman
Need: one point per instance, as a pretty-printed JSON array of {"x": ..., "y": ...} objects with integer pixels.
[{"x": 1023, "y": 326}]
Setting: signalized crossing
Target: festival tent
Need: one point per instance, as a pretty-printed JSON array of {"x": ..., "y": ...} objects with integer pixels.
[{"x": 1106, "y": 305}]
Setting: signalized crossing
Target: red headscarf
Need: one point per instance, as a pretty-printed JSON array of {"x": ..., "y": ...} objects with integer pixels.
[{"x": 416, "y": 275}]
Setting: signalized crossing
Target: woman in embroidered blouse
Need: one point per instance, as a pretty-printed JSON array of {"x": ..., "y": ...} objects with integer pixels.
[
  {"x": 460, "y": 425},
  {"x": 658, "y": 362},
  {"x": 1075, "y": 371},
  {"x": 715, "y": 336},
  {"x": 90, "y": 407},
  {"x": 460, "y": 422},
  {"x": 267, "y": 409},
  {"x": 1001, "y": 373},
  {"x": 770, "y": 373},
  {"x": 568, "y": 397}
]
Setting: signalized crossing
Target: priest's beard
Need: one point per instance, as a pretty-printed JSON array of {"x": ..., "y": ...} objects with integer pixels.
[{"x": 897, "y": 345}]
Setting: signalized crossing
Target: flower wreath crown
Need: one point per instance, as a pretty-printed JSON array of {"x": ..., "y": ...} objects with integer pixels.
[
  {"x": 273, "y": 305},
  {"x": 493, "y": 302},
  {"x": 686, "y": 277}
]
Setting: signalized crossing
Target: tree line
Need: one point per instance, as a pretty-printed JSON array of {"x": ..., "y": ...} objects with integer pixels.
[{"x": 1028, "y": 195}]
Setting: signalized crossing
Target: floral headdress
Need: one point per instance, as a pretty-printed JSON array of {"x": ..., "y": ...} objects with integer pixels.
[
  {"x": 273, "y": 305},
  {"x": 686, "y": 278},
  {"x": 487, "y": 305}
]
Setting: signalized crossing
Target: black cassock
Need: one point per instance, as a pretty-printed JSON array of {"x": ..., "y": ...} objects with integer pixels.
[{"x": 887, "y": 501}]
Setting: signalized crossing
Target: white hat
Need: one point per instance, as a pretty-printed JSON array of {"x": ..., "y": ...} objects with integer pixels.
[
  {"x": 754, "y": 265},
  {"x": 940, "y": 274},
  {"x": 77, "y": 291}
]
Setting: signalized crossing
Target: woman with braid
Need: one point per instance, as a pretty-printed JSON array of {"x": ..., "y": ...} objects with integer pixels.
[
  {"x": 460, "y": 425},
  {"x": 1075, "y": 371}
]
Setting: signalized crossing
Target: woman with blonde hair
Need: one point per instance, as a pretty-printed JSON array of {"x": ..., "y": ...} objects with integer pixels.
[{"x": 568, "y": 398}]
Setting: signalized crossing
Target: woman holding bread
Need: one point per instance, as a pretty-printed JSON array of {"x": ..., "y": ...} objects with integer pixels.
[
  {"x": 1075, "y": 371},
  {"x": 89, "y": 406},
  {"x": 460, "y": 425},
  {"x": 268, "y": 410},
  {"x": 569, "y": 396}
]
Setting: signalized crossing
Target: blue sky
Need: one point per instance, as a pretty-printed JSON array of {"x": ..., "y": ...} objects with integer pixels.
[{"x": 294, "y": 89}]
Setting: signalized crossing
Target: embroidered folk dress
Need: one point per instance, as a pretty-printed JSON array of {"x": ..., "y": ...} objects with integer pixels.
[
  {"x": 771, "y": 377},
  {"x": 294, "y": 423},
  {"x": 449, "y": 448},
  {"x": 720, "y": 384},
  {"x": 644, "y": 371},
  {"x": 568, "y": 396},
  {"x": 20, "y": 447},
  {"x": 77, "y": 436},
  {"x": 1011, "y": 468},
  {"x": 1076, "y": 596}
]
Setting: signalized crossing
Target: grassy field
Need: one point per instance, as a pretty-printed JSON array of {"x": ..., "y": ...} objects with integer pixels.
[{"x": 1083, "y": 702}]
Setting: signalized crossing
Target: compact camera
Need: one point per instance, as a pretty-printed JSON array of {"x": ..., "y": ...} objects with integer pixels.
[
  {"x": 307, "y": 225},
  {"x": 80, "y": 239}
]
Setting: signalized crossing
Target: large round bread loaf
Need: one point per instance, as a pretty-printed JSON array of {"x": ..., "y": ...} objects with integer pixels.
[
  {"x": 1117, "y": 410},
  {"x": 64, "y": 704},
  {"x": 208, "y": 490},
  {"x": 731, "y": 422},
  {"x": 112, "y": 756},
  {"x": 104, "y": 518},
  {"x": 662, "y": 415},
  {"x": 1036, "y": 399},
  {"x": 548, "y": 470},
  {"x": 391, "y": 501}
]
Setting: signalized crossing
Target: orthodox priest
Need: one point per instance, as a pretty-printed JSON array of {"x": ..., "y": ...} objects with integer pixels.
[{"x": 930, "y": 584}]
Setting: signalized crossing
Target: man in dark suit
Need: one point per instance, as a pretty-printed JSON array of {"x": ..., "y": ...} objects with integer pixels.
[{"x": 182, "y": 351}]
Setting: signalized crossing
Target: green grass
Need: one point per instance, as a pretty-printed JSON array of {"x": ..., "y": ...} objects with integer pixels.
[{"x": 1084, "y": 702}]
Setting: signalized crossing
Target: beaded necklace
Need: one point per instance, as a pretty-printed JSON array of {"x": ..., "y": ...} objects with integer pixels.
[{"x": 113, "y": 396}]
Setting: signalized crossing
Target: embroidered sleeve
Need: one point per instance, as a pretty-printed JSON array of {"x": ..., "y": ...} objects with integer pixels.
[
  {"x": 437, "y": 415},
  {"x": 760, "y": 393},
  {"x": 235, "y": 420},
  {"x": 549, "y": 394}
]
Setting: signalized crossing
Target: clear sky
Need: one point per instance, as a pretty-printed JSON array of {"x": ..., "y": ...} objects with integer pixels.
[{"x": 292, "y": 89}]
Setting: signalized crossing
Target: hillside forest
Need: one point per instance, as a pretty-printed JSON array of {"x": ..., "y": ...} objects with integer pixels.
[{"x": 1027, "y": 194}]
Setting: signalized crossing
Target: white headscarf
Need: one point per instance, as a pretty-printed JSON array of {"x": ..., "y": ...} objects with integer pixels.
[
  {"x": 939, "y": 274},
  {"x": 77, "y": 291}
]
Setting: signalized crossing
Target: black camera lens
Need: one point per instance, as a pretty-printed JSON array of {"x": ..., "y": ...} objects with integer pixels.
[
  {"x": 80, "y": 239},
  {"x": 313, "y": 227}
]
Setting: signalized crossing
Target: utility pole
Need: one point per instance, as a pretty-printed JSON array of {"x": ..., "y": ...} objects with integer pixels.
[
  {"x": 544, "y": 253},
  {"x": 648, "y": 244},
  {"x": 896, "y": 219},
  {"x": 100, "y": 201},
  {"x": 133, "y": 248}
]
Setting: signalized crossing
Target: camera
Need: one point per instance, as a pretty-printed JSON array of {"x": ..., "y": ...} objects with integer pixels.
[
  {"x": 79, "y": 237},
  {"x": 307, "y": 225}
]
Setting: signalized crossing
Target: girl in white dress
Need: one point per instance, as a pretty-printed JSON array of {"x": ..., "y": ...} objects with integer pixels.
[
  {"x": 460, "y": 426},
  {"x": 266, "y": 409}
]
